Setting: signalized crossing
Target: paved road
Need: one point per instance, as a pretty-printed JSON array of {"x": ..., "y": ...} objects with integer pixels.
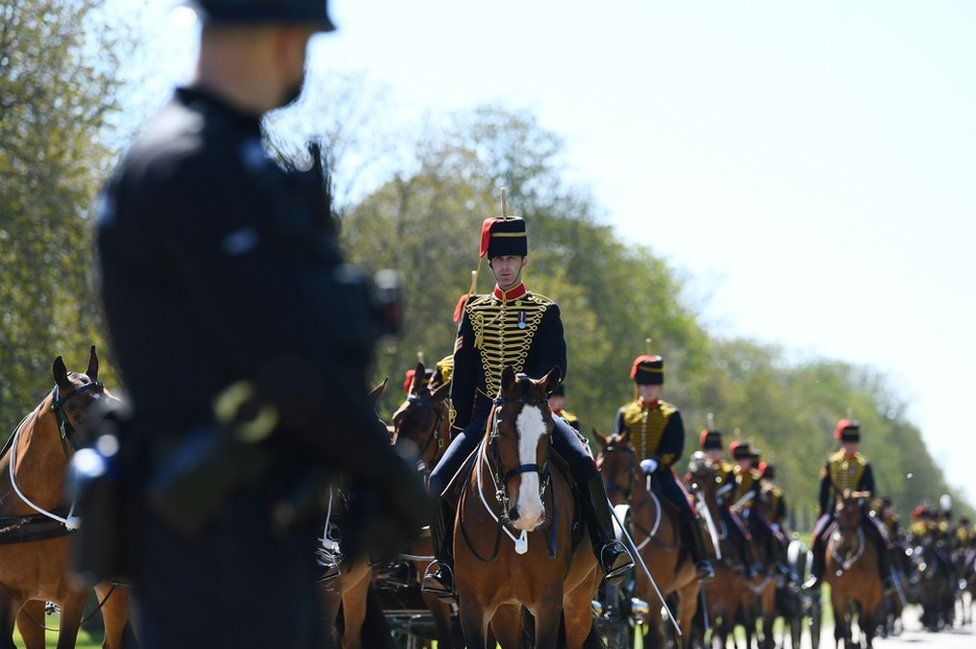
[{"x": 915, "y": 637}]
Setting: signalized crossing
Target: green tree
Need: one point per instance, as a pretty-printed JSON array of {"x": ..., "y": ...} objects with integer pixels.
[{"x": 57, "y": 66}]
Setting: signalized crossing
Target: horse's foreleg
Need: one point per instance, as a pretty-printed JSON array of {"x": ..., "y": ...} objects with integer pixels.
[
  {"x": 687, "y": 607},
  {"x": 474, "y": 622},
  {"x": 506, "y": 625},
  {"x": 72, "y": 608},
  {"x": 115, "y": 613},
  {"x": 30, "y": 621},
  {"x": 354, "y": 612},
  {"x": 577, "y": 612},
  {"x": 548, "y": 620}
]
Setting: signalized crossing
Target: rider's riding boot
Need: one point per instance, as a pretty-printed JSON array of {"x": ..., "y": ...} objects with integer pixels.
[
  {"x": 613, "y": 557},
  {"x": 752, "y": 567},
  {"x": 816, "y": 570},
  {"x": 703, "y": 567},
  {"x": 439, "y": 576}
]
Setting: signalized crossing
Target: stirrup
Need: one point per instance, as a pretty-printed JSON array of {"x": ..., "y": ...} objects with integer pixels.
[
  {"x": 813, "y": 583},
  {"x": 618, "y": 563},
  {"x": 329, "y": 561},
  {"x": 439, "y": 581}
]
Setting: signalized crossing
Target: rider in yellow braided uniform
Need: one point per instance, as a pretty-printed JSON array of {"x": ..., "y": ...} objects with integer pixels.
[
  {"x": 747, "y": 501},
  {"x": 510, "y": 327},
  {"x": 658, "y": 436},
  {"x": 843, "y": 470},
  {"x": 711, "y": 445}
]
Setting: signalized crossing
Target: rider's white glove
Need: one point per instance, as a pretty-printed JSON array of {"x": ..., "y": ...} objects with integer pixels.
[{"x": 649, "y": 465}]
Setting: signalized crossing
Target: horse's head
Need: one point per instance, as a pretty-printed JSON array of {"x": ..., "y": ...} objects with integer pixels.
[
  {"x": 619, "y": 466},
  {"x": 849, "y": 509},
  {"x": 521, "y": 434},
  {"x": 422, "y": 419},
  {"x": 74, "y": 398}
]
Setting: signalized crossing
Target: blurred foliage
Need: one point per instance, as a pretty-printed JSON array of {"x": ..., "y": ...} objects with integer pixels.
[{"x": 57, "y": 81}]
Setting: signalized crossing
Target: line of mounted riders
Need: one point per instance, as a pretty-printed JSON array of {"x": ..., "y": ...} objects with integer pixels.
[{"x": 712, "y": 545}]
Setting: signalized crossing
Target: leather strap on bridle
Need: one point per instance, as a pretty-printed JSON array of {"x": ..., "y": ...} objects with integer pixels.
[{"x": 65, "y": 428}]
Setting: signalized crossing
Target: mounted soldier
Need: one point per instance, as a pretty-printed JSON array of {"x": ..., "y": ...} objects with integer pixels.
[
  {"x": 748, "y": 502},
  {"x": 711, "y": 444},
  {"x": 657, "y": 434},
  {"x": 845, "y": 470},
  {"x": 510, "y": 327}
]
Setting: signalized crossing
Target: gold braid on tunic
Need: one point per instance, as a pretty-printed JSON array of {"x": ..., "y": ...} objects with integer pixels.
[
  {"x": 646, "y": 426},
  {"x": 845, "y": 473},
  {"x": 497, "y": 334}
]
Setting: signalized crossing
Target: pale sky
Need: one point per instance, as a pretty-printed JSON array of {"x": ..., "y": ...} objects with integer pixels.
[{"x": 811, "y": 167}]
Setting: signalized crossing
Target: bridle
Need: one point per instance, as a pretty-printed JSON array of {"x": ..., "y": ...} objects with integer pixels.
[
  {"x": 632, "y": 473},
  {"x": 435, "y": 433},
  {"x": 495, "y": 461},
  {"x": 67, "y": 431}
]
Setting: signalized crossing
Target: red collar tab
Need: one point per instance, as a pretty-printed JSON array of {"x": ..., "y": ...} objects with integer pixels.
[
  {"x": 648, "y": 404},
  {"x": 514, "y": 294},
  {"x": 557, "y": 411}
]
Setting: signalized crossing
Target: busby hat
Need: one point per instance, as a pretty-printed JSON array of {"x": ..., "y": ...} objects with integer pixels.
[
  {"x": 755, "y": 454},
  {"x": 648, "y": 370},
  {"x": 502, "y": 235},
  {"x": 560, "y": 391},
  {"x": 315, "y": 12},
  {"x": 740, "y": 450},
  {"x": 711, "y": 439},
  {"x": 848, "y": 431},
  {"x": 767, "y": 470}
]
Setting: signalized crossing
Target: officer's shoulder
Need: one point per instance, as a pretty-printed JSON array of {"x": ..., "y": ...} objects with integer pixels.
[
  {"x": 667, "y": 408},
  {"x": 568, "y": 416},
  {"x": 836, "y": 456},
  {"x": 860, "y": 459},
  {"x": 631, "y": 406},
  {"x": 477, "y": 300},
  {"x": 540, "y": 299}
]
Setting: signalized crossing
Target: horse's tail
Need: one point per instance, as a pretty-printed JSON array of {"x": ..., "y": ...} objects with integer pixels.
[{"x": 376, "y": 630}]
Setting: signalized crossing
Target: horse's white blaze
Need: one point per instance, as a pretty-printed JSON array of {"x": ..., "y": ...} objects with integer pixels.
[{"x": 531, "y": 428}]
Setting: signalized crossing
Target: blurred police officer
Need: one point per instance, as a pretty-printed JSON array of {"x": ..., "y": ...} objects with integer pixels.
[{"x": 244, "y": 342}]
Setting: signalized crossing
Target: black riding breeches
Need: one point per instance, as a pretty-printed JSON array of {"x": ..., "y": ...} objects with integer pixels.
[
  {"x": 565, "y": 440},
  {"x": 668, "y": 485}
]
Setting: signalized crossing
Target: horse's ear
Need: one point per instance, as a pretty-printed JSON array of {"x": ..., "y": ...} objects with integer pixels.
[
  {"x": 601, "y": 440},
  {"x": 61, "y": 374},
  {"x": 92, "y": 370},
  {"x": 550, "y": 381},
  {"x": 846, "y": 495},
  {"x": 418, "y": 378},
  {"x": 441, "y": 392},
  {"x": 623, "y": 438},
  {"x": 377, "y": 392},
  {"x": 508, "y": 379}
]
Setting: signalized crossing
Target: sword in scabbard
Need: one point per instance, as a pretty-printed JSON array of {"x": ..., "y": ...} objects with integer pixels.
[{"x": 640, "y": 560}]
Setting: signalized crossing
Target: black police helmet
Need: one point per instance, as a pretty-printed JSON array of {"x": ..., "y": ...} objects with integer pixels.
[{"x": 265, "y": 11}]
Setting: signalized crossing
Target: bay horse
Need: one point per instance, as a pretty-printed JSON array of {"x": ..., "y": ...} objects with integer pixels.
[
  {"x": 655, "y": 532},
  {"x": 723, "y": 593},
  {"x": 514, "y": 542},
  {"x": 422, "y": 428},
  {"x": 851, "y": 569},
  {"x": 34, "y": 556}
]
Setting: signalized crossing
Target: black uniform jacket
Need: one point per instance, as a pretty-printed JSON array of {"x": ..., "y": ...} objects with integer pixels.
[
  {"x": 534, "y": 349},
  {"x": 218, "y": 267}
]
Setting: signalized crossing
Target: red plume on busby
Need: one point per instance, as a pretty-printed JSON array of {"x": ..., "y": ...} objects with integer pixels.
[
  {"x": 740, "y": 450},
  {"x": 848, "y": 431}
]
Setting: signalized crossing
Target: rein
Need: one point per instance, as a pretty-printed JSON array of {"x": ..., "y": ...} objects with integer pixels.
[
  {"x": 849, "y": 560},
  {"x": 64, "y": 426},
  {"x": 435, "y": 433}
]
